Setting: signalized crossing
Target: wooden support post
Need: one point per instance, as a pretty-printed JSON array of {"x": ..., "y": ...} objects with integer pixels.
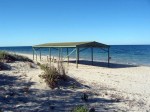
[
  {"x": 92, "y": 55},
  {"x": 77, "y": 56},
  {"x": 53, "y": 59},
  {"x": 67, "y": 56},
  {"x": 36, "y": 56},
  {"x": 40, "y": 54},
  {"x": 33, "y": 53},
  {"x": 50, "y": 55},
  {"x": 59, "y": 54},
  {"x": 47, "y": 58},
  {"x": 108, "y": 57}
]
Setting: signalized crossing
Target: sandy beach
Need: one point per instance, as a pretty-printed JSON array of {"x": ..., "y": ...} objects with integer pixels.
[
  {"x": 117, "y": 88},
  {"x": 74, "y": 55}
]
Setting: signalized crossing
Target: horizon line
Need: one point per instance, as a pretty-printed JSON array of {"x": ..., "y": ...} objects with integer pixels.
[{"x": 108, "y": 44}]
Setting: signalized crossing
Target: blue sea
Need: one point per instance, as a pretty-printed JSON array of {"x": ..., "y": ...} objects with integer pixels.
[{"x": 122, "y": 54}]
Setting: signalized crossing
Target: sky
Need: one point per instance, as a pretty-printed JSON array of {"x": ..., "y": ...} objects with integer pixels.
[{"x": 113, "y": 22}]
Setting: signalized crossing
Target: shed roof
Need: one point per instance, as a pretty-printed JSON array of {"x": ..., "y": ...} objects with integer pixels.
[{"x": 73, "y": 44}]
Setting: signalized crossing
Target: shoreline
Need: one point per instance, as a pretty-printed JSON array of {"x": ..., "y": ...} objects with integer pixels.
[
  {"x": 122, "y": 57},
  {"x": 113, "y": 62}
]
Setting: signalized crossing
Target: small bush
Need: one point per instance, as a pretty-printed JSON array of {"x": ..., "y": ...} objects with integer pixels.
[
  {"x": 38, "y": 64},
  {"x": 53, "y": 75},
  {"x": 2, "y": 56},
  {"x": 80, "y": 109}
]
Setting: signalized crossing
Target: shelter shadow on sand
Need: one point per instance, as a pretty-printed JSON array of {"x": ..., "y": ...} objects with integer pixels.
[{"x": 102, "y": 64}]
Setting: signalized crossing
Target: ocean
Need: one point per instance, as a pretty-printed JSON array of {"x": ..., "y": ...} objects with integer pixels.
[{"x": 122, "y": 54}]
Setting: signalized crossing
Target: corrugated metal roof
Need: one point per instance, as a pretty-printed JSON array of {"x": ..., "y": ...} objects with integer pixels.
[{"x": 73, "y": 44}]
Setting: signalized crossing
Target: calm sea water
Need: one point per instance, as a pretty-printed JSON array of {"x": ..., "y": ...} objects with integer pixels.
[{"x": 123, "y": 54}]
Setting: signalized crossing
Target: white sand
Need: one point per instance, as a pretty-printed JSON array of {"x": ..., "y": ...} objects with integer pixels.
[{"x": 129, "y": 85}]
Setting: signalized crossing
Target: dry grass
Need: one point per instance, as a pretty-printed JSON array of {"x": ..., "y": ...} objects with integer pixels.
[{"x": 53, "y": 75}]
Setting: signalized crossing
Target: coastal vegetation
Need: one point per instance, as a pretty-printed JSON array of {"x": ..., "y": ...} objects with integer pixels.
[
  {"x": 6, "y": 57},
  {"x": 10, "y": 57},
  {"x": 53, "y": 75}
]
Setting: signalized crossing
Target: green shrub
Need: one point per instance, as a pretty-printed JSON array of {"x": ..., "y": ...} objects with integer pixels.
[
  {"x": 80, "y": 109},
  {"x": 50, "y": 75},
  {"x": 53, "y": 75},
  {"x": 2, "y": 55}
]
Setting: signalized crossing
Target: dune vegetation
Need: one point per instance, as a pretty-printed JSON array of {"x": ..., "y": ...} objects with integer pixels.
[
  {"x": 53, "y": 75},
  {"x": 6, "y": 57},
  {"x": 10, "y": 57}
]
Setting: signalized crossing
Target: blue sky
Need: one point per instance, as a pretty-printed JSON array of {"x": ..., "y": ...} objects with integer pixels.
[{"x": 31, "y": 22}]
